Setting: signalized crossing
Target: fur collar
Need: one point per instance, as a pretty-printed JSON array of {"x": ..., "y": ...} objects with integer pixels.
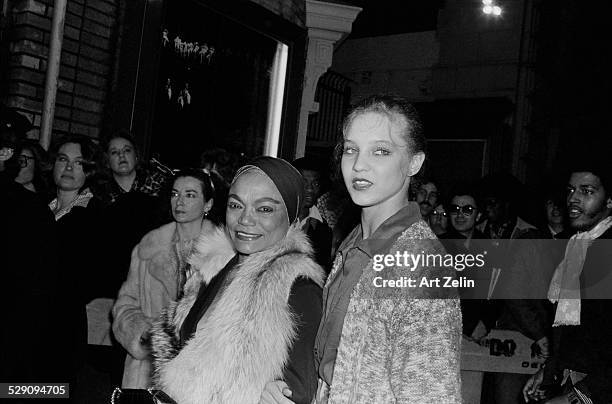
[
  {"x": 214, "y": 250},
  {"x": 155, "y": 240},
  {"x": 243, "y": 340}
]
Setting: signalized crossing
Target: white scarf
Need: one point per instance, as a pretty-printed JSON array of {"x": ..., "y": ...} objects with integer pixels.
[{"x": 565, "y": 283}]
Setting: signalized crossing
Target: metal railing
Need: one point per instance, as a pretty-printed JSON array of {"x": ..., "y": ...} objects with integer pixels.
[{"x": 333, "y": 95}]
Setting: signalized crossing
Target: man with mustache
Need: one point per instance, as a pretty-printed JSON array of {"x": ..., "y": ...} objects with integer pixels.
[
  {"x": 427, "y": 198},
  {"x": 582, "y": 287}
]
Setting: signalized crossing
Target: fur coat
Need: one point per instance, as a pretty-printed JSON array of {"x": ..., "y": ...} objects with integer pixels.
[
  {"x": 150, "y": 286},
  {"x": 399, "y": 345},
  {"x": 244, "y": 338}
]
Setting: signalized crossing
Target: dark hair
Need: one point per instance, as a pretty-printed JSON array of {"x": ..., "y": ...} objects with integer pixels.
[
  {"x": 503, "y": 186},
  {"x": 200, "y": 175},
  {"x": 598, "y": 166},
  {"x": 224, "y": 163},
  {"x": 465, "y": 189},
  {"x": 40, "y": 162},
  {"x": 393, "y": 107},
  {"x": 12, "y": 139},
  {"x": 418, "y": 181},
  {"x": 553, "y": 188},
  {"x": 120, "y": 134},
  {"x": 308, "y": 163},
  {"x": 212, "y": 187},
  {"x": 89, "y": 151},
  {"x": 316, "y": 164}
]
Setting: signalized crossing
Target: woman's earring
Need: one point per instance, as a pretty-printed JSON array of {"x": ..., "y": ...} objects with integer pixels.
[{"x": 205, "y": 213}]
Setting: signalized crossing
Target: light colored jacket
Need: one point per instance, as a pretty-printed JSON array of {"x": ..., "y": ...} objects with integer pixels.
[
  {"x": 151, "y": 285},
  {"x": 243, "y": 339},
  {"x": 401, "y": 345}
]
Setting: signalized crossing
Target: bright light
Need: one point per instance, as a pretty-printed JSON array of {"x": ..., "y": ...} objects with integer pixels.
[
  {"x": 487, "y": 2},
  {"x": 487, "y": 9},
  {"x": 275, "y": 99},
  {"x": 497, "y": 10}
]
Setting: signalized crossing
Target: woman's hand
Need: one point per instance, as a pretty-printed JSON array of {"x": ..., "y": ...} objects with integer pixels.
[{"x": 276, "y": 392}]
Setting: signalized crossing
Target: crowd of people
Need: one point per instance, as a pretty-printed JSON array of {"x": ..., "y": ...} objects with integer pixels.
[{"x": 255, "y": 283}]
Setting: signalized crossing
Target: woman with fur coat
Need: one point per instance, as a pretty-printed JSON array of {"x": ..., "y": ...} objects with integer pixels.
[
  {"x": 158, "y": 271},
  {"x": 251, "y": 308},
  {"x": 380, "y": 340}
]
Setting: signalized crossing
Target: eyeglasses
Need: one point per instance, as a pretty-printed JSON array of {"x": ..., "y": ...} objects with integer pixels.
[
  {"x": 23, "y": 160},
  {"x": 436, "y": 213},
  {"x": 467, "y": 210}
]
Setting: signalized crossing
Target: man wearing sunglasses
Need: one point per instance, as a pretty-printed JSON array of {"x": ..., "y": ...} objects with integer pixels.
[
  {"x": 464, "y": 238},
  {"x": 464, "y": 213}
]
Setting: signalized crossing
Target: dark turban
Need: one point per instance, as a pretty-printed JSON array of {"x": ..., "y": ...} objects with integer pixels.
[{"x": 285, "y": 177}]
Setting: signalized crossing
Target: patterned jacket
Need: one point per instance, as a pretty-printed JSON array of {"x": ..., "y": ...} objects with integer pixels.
[{"x": 400, "y": 345}]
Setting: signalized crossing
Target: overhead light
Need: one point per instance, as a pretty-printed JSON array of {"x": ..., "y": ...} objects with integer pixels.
[{"x": 491, "y": 8}]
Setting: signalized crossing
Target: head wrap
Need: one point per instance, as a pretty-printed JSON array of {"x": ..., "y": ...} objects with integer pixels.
[{"x": 285, "y": 177}]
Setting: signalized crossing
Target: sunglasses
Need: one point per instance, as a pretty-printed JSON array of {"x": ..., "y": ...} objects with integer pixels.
[{"x": 467, "y": 210}]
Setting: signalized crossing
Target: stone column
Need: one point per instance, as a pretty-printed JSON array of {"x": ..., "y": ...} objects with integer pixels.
[{"x": 327, "y": 23}]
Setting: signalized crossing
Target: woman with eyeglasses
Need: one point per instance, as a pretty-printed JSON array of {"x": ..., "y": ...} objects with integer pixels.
[
  {"x": 252, "y": 307},
  {"x": 158, "y": 271},
  {"x": 395, "y": 343},
  {"x": 31, "y": 159}
]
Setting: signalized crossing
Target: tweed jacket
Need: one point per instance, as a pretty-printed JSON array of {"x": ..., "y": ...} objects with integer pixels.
[
  {"x": 243, "y": 339},
  {"x": 403, "y": 345},
  {"x": 151, "y": 285}
]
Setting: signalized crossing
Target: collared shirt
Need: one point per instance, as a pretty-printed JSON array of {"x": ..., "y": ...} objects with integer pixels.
[
  {"x": 147, "y": 181},
  {"x": 82, "y": 200},
  {"x": 356, "y": 252},
  {"x": 313, "y": 213}
]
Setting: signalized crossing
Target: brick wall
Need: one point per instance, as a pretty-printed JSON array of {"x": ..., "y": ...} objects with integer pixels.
[{"x": 86, "y": 63}]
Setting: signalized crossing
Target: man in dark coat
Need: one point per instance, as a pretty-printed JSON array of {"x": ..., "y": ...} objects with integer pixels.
[
  {"x": 582, "y": 288},
  {"x": 29, "y": 340}
]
